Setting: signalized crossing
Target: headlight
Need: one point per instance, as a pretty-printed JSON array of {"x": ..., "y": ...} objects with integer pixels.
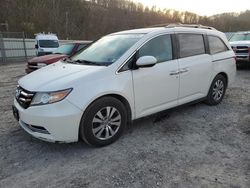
[
  {"x": 42, "y": 98},
  {"x": 40, "y": 65}
]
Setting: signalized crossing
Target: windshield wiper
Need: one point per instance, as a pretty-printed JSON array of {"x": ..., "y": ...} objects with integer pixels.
[
  {"x": 85, "y": 62},
  {"x": 68, "y": 60}
]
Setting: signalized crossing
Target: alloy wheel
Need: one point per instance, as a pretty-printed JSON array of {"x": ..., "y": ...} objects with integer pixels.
[
  {"x": 218, "y": 90},
  {"x": 106, "y": 123}
]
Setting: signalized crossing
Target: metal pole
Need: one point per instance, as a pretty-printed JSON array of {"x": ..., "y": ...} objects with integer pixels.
[
  {"x": 66, "y": 24},
  {"x": 24, "y": 46},
  {"x": 3, "y": 58}
]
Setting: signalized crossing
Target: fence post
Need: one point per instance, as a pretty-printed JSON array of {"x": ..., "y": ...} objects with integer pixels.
[
  {"x": 24, "y": 46},
  {"x": 3, "y": 55}
]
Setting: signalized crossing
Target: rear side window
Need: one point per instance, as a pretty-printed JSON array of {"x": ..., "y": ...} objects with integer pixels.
[
  {"x": 159, "y": 47},
  {"x": 216, "y": 45},
  {"x": 191, "y": 45}
]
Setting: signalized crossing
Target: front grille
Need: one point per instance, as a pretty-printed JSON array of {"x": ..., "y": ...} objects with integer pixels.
[
  {"x": 24, "y": 97},
  {"x": 241, "y": 49},
  {"x": 35, "y": 66}
]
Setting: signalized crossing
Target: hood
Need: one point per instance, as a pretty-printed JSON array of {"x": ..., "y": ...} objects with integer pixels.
[
  {"x": 48, "y": 59},
  {"x": 240, "y": 43},
  {"x": 56, "y": 76}
]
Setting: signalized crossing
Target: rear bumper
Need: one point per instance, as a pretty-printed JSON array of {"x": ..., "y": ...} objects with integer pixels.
[{"x": 58, "y": 122}]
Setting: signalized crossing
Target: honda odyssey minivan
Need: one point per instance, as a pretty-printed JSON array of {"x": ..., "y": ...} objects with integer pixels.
[{"x": 122, "y": 77}]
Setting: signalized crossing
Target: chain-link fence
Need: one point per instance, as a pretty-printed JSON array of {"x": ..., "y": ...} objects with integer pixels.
[
  {"x": 229, "y": 34},
  {"x": 15, "y": 47}
]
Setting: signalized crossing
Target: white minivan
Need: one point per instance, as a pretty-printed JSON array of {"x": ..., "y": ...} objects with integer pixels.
[{"x": 121, "y": 77}]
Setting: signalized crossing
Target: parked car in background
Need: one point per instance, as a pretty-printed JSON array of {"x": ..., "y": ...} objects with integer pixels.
[
  {"x": 240, "y": 43},
  {"x": 122, "y": 77},
  {"x": 65, "y": 50},
  {"x": 46, "y": 43}
]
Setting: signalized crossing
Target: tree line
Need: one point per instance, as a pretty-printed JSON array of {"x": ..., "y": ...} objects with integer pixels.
[{"x": 90, "y": 19}]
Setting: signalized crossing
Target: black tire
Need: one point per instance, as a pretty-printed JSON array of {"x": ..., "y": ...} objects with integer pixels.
[
  {"x": 87, "y": 124},
  {"x": 211, "y": 99}
]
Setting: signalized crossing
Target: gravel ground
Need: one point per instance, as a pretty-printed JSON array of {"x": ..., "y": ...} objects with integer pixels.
[{"x": 188, "y": 147}]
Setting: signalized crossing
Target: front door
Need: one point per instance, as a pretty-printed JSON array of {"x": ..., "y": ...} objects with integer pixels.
[{"x": 156, "y": 88}]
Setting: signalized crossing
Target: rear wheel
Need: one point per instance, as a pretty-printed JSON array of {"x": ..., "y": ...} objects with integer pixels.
[
  {"x": 217, "y": 90},
  {"x": 103, "y": 122}
]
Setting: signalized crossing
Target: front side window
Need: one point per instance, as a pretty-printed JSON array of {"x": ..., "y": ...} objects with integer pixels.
[
  {"x": 108, "y": 49},
  {"x": 64, "y": 49},
  {"x": 191, "y": 45},
  {"x": 48, "y": 43},
  {"x": 216, "y": 45},
  {"x": 159, "y": 47}
]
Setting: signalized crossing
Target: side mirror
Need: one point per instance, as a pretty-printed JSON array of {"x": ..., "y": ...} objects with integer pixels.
[
  {"x": 36, "y": 46},
  {"x": 146, "y": 61}
]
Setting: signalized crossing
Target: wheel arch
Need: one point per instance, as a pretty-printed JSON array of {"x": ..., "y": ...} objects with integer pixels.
[{"x": 119, "y": 97}]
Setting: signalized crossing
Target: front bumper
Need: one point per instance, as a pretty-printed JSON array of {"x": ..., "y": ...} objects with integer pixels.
[{"x": 58, "y": 122}]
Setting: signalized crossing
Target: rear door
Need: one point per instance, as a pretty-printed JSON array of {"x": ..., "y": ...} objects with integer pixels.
[{"x": 195, "y": 67}]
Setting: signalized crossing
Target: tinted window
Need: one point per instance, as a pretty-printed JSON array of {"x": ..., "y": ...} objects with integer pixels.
[
  {"x": 159, "y": 47},
  {"x": 216, "y": 45},
  {"x": 191, "y": 44}
]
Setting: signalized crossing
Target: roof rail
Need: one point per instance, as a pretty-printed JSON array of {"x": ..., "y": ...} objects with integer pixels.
[{"x": 189, "y": 25}]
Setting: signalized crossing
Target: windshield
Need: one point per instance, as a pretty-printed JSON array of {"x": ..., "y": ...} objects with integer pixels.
[
  {"x": 64, "y": 49},
  {"x": 108, "y": 49},
  {"x": 240, "y": 37},
  {"x": 48, "y": 43}
]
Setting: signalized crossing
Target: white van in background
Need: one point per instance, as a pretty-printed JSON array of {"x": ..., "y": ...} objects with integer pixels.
[{"x": 46, "y": 43}]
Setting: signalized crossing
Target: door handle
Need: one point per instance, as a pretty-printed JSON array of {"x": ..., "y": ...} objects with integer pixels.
[
  {"x": 183, "y": 70},
  {"x": 172, "y": 73}
]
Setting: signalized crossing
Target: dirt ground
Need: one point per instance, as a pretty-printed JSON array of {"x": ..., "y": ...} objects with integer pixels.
[{"x": 188, "y": 147}]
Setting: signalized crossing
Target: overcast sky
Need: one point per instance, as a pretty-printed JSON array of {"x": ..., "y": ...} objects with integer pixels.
[{"x": 201, "y": 7}]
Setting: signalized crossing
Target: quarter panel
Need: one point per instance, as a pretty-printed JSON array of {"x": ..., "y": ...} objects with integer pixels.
[{"x": 225, "y": 62}]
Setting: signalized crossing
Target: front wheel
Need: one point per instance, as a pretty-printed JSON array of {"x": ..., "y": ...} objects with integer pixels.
[
  {"x": 103, "y": 122},
  {"x": 217, "y": 90}
]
